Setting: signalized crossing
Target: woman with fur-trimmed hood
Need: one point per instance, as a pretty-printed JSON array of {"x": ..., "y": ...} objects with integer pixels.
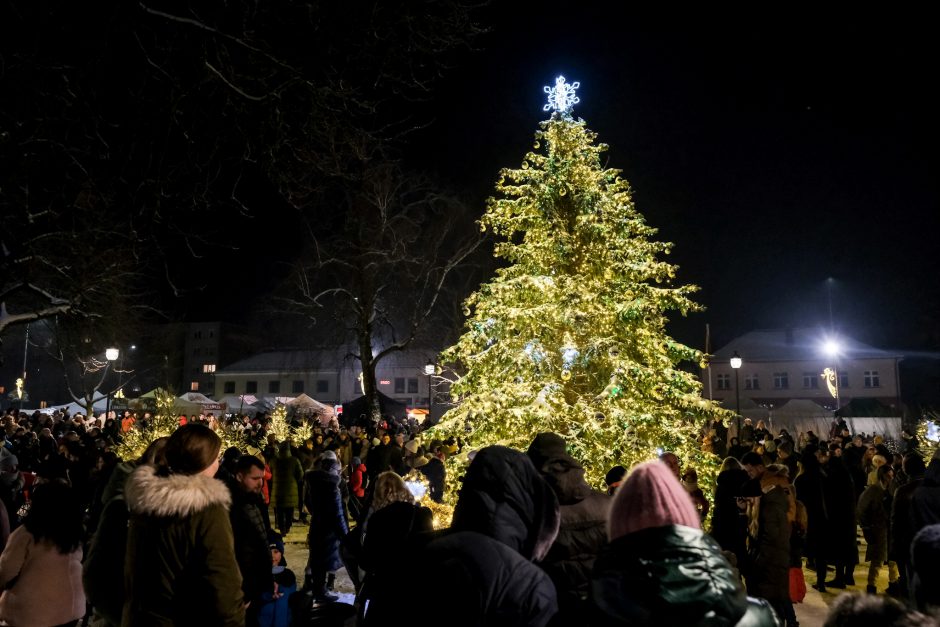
[{"x": 180, "y": 567}]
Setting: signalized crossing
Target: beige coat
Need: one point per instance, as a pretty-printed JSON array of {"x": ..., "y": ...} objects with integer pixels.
[{"x": 48, "y": 587}]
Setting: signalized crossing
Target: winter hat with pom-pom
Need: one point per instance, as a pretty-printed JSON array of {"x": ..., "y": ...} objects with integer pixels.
[{"x": 650, "y": 496}]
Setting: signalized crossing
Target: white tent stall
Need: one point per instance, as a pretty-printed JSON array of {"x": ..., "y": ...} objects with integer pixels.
[
  {"x": 306, "y": 406},
  {"x": 196, "y": 403}
]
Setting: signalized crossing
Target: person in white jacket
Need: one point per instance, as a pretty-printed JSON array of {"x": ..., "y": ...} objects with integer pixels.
[{"x": 41, "y": 565}]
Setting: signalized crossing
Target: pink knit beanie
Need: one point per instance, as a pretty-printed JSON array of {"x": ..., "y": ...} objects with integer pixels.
[{"x": 651, "y": 496}]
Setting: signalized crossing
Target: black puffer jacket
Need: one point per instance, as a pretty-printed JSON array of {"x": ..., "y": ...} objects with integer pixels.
[
  {"x": 582, "y": 532},
  {"x": 479, "y": 572},
  {"x": 925, "y": 502},
  {"x": 673, "y": 575},
  {"x": 327, "y": 518}
]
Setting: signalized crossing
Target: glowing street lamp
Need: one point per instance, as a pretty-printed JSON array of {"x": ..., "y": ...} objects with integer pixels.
[
  {"x": 429, "y": 370},
  {"x": 111, "y": 354},
  {"x": 736, "y": 363}
]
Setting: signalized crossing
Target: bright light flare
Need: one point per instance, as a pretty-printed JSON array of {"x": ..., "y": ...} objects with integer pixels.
[{"x": 832, "y": 348}]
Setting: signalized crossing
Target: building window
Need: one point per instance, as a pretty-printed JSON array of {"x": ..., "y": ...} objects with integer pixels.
[
  {"x": 412, "y": 386},
  {"x": 297, "y": 387},
  {"x": 781, "y": 380},
  {"x": 208, "y": 367},
  {"x": 843, "y": 379},
  {"x": 811, "y": 380},
  {"x": 251, "y": 387},
  {"x": 751, "y": 382},
  {"x": 872, "y": 380},
  {"x": 197, "y": 352},
  {"x": 400, "y": 385},
  {"x": 211, "y": 334},
  {"x": 274, "y": 387},
  {"x": 228, "y": 387},
  {"x": 724, "y": 382},
  {"x": 197, "y": 335},
  {"x": 194, "y": 386},
  {"x": 323, "y": 386}
]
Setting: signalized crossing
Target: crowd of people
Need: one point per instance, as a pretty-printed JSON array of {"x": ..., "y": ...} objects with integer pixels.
[{"x": 190, "y": 533}]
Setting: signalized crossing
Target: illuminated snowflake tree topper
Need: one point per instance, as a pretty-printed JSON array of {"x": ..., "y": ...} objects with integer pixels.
[{"x": 561, "y": 97}]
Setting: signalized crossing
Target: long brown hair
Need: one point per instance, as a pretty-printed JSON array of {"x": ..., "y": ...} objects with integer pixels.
[{"x": 189, "y": 450}]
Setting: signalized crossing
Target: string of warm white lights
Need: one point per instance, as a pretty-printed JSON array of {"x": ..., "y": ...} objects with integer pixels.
[{"x": 569, "y": 336}]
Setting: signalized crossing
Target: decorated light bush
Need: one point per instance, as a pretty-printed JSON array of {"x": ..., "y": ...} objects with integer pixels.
[{"x": 569, "y": 336}]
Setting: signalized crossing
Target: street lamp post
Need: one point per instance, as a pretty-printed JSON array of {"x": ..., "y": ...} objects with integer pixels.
[
  {"x": 429, "y": 370},
  {"x": 111, "y": 354},
  {"x": 736, "y": 366}
]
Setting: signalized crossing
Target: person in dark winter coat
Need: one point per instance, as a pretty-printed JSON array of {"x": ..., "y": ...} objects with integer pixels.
[
  {"x": 768, "y": 570},
  {"x": 873, "y": 517},
  {"x": 810, "y": 492},
  {"x": 250, "y": 528},
  {"x": 583, "y": 517},
  {"x": 659, "y": 568},
  {"x": 180, "y": 567},
  {"x": 327, "y": 525},
  {"x": 480, "y": 571},
  {"x": 103, "y": 570},
  {"x": 393, "y": 527},
  {"x": 839, "y": 494},
  {"x": 729, "y": 521},
  {"x": 286, "y": 486},
  {"x": 902, "y": 533},
  {"x": 925, "y": 502},
  {"x": 925, "y": 557},
  {"x": 435, "y": 472}
]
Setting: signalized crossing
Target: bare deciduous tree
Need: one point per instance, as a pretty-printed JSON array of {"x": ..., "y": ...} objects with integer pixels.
[{"x": 378, "y": 270}]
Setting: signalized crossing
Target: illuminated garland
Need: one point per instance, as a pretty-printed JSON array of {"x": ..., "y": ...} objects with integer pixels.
[{"x": 163, "y": 423}]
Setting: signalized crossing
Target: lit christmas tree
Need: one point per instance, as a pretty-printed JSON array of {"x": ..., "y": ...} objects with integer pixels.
[{"x": 570, "y": 335}]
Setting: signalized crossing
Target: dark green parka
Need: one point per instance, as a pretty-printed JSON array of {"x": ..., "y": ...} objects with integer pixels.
[{"x": 180, "y": 568}]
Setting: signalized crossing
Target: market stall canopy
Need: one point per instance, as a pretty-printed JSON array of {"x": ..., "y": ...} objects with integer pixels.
[
  {"x": 99, "y": 404},
  {"x": 867, "y": 408},
  {"x": 268, "y": 403},
  {"x": 240, "y": 404},
  {"x": 359, "y": 407},
  {"x": 800, "y": 415},
  {"x": 196, "y": 403},
  {"x": 304, "y": 403},
  {"x": 749, "y": 409}
]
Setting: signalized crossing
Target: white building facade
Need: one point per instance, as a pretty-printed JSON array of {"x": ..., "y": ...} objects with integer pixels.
[
  {"x": 785, "y": 364},
  {"x": 330, "y": 376}
]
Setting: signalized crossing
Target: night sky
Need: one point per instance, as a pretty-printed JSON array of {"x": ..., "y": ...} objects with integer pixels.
[
  {"x": 790, "y": 157},
  {"x": 775, "y": 152}
]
